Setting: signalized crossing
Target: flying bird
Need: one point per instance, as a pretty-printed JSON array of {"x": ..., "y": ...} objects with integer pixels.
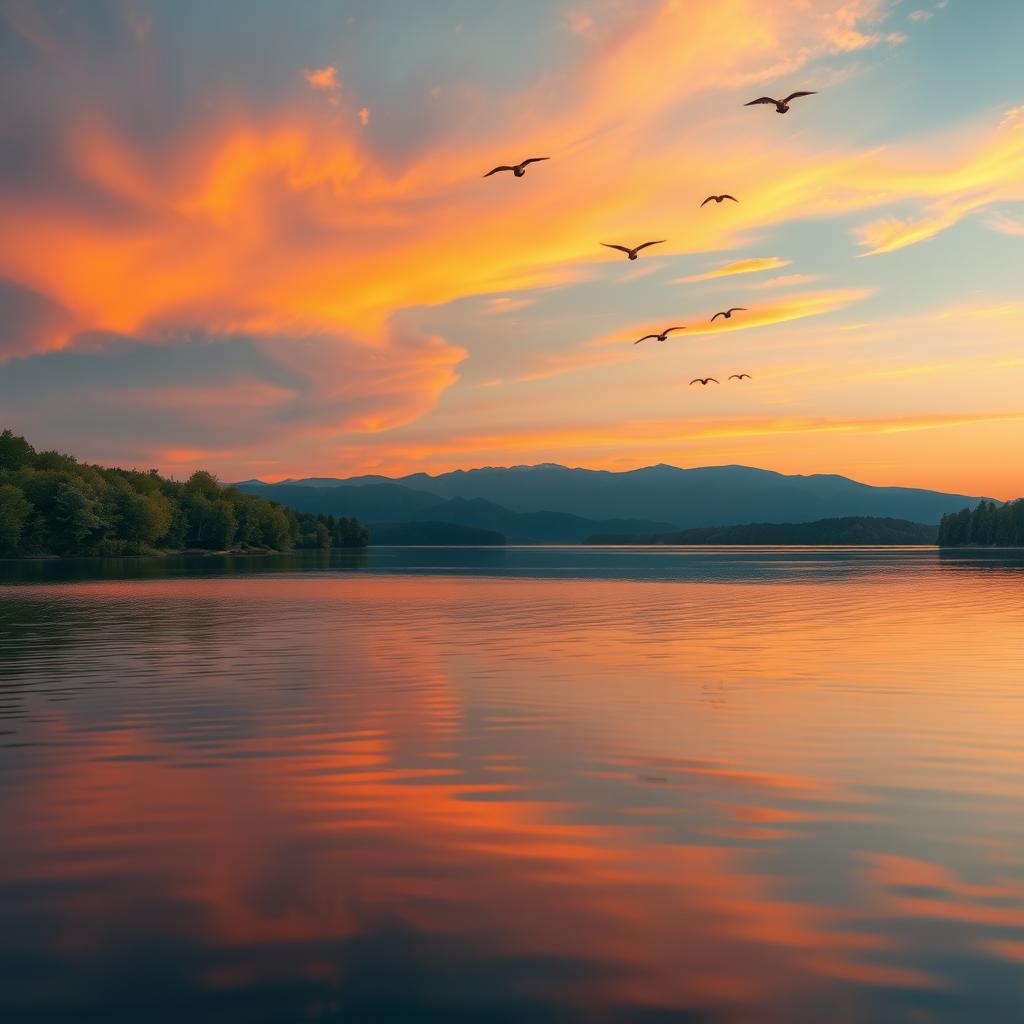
[
  {"x": 517, "y": 169},
  {"x": 727, "y": 313},
  {"x": 781, "y": 106},
  {"x": 703, "y": 380},
  {"x": 718, "y": 199},
  {"x": 739, "y": 376},
  {"x": 632, "y": 253},
  {"x": 660, "y": 337}
]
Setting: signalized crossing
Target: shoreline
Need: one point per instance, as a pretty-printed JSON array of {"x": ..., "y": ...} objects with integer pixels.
[
  {"x": 184, "y": 552},
  {"x": 200, "y": 553}
]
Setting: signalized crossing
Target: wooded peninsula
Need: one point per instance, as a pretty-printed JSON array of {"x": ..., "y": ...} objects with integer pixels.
[
  {"x": 52, "y": 504},
  {"x": 987, "y": 525}
]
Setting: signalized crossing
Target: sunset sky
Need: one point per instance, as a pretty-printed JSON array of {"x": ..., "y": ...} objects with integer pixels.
[{"x": 254, "y": 237}]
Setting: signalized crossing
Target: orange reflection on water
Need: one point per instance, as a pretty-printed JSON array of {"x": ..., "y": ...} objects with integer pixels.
[{"x": 604, "y": 795}]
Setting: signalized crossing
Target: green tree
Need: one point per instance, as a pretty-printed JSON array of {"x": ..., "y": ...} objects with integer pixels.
[
  {"x": 203, "y": 483},
  {"x": 177, "y": 531},
  {"x": 15, "y": 511},
  {"x": 74, "y": 521},
  {"x": 350, "y": 533},
  {"x": 55, "y": 461},
  {"x": 312, "y": 532},
  {"x": 15, "y": 451},
  {"x": 983, "y": 523},
  {"x": 221, "y": 525},
  {"x": 958, "y": 528},
  {"x": 1016, "y": 515},
  {"x": 143, "y": 518},
  {"x": 52, "y": 504}
]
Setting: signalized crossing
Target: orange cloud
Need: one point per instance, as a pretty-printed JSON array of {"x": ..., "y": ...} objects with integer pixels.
[
  {"x": 891, "y": 233},
  {"x": 786, "y": 281},
  {"x": 747, "y": 266},
  {"x": 506, "y": 304},
  {"x": 638, "y": 433},
  {"x": 792, "y": 307},
  {"x": 248, "y": 227},
  {"x": 322, "y": 78},
  {"x": 993, "y": 173}
]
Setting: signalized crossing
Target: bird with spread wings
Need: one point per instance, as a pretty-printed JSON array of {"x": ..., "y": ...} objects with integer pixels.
[
  {"x": 632, "y": 253},
  {"x": 781, "y": 106},
  {"x": 518, "y": 169},
  {"x": 659, "y": 337},
  {"x": 727, "y": 313}
]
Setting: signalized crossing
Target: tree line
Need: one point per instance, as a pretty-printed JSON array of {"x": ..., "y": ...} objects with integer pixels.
[
  {"x": 51, "y": 504},
  {"x": 987, "y": 525}
]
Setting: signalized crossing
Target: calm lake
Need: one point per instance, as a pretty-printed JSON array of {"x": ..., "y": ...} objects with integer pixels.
[{"x": 488, "y": 785}]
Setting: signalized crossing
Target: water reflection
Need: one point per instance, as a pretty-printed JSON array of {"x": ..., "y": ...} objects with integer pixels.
[
  {"x": 706, "y": 564},
  {"x": 741, "y": 794}
]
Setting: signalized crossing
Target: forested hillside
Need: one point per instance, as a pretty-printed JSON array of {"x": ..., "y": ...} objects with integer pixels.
[
  {"x": 986, "y": 525},
  {"x": 51, "y": 504}
]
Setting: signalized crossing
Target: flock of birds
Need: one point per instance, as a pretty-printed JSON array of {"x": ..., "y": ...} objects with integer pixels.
[{"x": 632, "y": 252}]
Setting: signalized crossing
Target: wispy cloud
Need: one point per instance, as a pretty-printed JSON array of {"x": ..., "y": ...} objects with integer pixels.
[
  {"x": 1005, "y": 224},
  {"x": 891, "y": 233},
  {"x": 502, "y": 304},
  {"x": 785, "y": 281},
  {"x": 638, "y": 436},
  {"x": 746, "y": 266},
  {"x": 993, "y": 173}
]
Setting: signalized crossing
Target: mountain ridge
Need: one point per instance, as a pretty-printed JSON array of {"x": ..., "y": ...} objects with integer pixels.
[{"x": 652, "y": 499}]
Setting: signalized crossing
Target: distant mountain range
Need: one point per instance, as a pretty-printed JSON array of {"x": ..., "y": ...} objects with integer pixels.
[{"x": 551, "y": 504}]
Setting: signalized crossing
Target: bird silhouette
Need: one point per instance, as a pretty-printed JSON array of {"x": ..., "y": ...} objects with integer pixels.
[
  {"x": 718, "y": 199},
  {"x": 781, "y": 106},
  {"x": 703, "y": 380},
  {"x": 739, "y": 376},
  {"x": 660, "y": 337},
  {"x": 517, "y": 169},
  {"x": 632, "y": 253},
  {"x": 727, "y": 313}
]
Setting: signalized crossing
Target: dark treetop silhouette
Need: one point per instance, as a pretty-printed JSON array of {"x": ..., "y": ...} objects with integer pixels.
[{"x": 986, "y": 525}]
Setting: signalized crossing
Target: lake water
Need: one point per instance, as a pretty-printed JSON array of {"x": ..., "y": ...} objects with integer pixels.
[{"x": 544, "y": 785}]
